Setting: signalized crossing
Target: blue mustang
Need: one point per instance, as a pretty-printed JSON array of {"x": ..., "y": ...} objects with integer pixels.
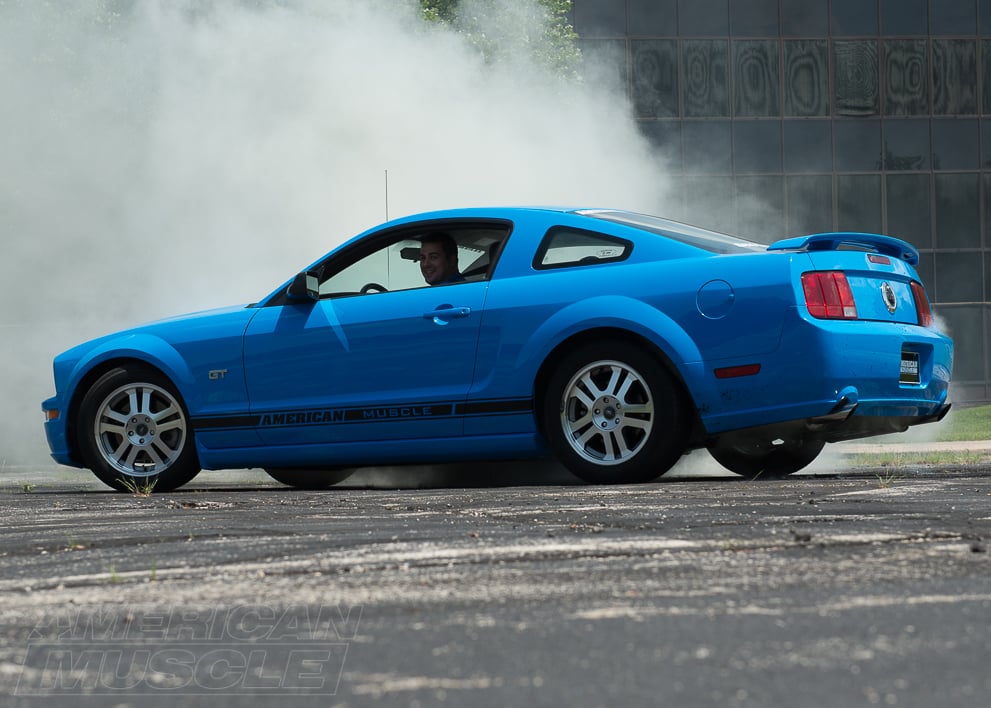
[{"x": 611, "y": 340}]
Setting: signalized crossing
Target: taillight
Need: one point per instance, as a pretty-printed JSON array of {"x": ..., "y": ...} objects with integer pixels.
[
  {"x": 828, "y": 295},
  {"x": 922, "y": 308}
]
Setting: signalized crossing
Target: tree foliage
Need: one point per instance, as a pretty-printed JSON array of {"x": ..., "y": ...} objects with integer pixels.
[{"x": 507, "y": 29}]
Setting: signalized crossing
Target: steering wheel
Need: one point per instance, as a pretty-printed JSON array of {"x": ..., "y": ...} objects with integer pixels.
[{"x": 368, "y": 287}]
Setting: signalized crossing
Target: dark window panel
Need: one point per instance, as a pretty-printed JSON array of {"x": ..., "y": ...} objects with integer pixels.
[
  {"x": 804, "y": 18},
  {"x": 925, "y": 270},
  {"x": 904, "y": 17},
  {"x": 708, "y": 147},
  {"x": 858, "y": 145},
  {"x": 858, "y": 203},
  {"x": 987, "y": 278},
  {"x": 966, "y": 325},
  {"x": 808, "y": 146},
  {"x": 665, "y": 137},
  {"x": 906, "y": 63},
  {"x": 806, "y": 80},
  {"x": 954, "y": 17},
  {"x": 709, "y": 203},
  {"x": 959, "y": 277},
  {"x": 652, "y": 18},
  {"x": 809, "y": 204},
  {"x": 600, "y": 18},
  {"x": 755, "y": 74},
  {"x": 856, "y": 86},
  {"x": 756, "y": 146},
  {"x": 655, "y": 77},
  {"x": 986, "y": 193},
  {"x": 986, "y": 73},
  {"x": 703, "y": 18},
  {"x": 906, "y": 144},
  {"x": 985, "y": 14},
  {"x": 954, "y": 76},
  {"x": 909, "y": 214},
  {"x": 853, "y": 18},
  {"x": 604, "y": 64},
  {"x": 955, "y": 144},
  {"x": 958, "y": 218},
  {"x": 753, "y": 18},
  {"x": 760, "y": 208},
  {"x": 706, "y": 89}
]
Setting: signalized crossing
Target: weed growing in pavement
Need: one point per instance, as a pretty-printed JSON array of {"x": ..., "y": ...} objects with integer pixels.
[
  {"x": 71, "y": 544},
  {"x": 139, "y": 487},
  {"x": 27, "y": 487},
  {"x": 114, "y": 576},
  {"x": 887, "y": 479}
]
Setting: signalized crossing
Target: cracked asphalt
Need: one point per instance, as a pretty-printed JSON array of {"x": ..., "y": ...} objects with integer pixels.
[{"x": 500, "y": 585}]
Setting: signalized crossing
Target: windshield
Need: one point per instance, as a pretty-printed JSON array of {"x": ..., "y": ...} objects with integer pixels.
[{"x": 692, "y": 235}]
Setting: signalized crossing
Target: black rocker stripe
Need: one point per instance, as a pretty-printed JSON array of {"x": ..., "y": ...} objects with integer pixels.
[
  {"x": 364, "y": 414},
  {"x": 496, "y": 407}
]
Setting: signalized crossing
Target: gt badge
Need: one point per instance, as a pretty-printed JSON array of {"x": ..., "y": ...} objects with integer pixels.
[
  {"x": 888, "y": 294},
  {"x": 216, "y": 374}
]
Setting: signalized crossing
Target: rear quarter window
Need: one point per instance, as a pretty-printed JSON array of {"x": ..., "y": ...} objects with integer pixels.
[{"x": 564, "y": 247}]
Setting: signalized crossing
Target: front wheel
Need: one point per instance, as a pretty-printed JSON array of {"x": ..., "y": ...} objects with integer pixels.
[
  {"x": 134, "y": 431},
  {"x": 755, "y": 459},
  {"x": 613, "y": 415}
]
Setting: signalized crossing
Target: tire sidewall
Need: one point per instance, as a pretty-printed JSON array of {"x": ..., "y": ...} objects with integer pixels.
[
  {"x": 182, "y": 469},
  {"x": 668, "y": 434}
]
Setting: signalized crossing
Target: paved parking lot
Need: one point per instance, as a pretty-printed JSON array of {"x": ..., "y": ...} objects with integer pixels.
[{"x": 500, "y": 585}]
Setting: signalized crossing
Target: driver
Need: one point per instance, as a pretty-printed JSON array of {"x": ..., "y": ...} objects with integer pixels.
[{"x": 439, "y": 259}]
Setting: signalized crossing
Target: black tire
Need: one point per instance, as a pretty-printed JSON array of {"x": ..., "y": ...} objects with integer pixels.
[
  {"x": 764, "y": 459},
  {"x": 133, "y": 431},
  {"x": 307, "y": 478},
  {"x": 612, "y": 414}
]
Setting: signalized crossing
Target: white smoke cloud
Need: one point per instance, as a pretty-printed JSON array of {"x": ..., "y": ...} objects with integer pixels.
[{"x": 159, "y": 157}]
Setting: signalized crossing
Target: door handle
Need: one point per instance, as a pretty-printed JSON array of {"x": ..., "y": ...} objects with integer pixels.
[{"x": 446, "y": 312}]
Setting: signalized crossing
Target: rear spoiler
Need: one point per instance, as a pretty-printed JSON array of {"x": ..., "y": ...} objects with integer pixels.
[{"x": 887, "y": 245}]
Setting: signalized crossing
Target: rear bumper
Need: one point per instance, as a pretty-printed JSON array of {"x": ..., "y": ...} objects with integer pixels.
[
  {"x": 838, "y": 369},
  {"x": 844, "y": 424}
]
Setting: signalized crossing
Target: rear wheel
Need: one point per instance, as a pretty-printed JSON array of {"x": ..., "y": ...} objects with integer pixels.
[
  {"x": 134, "y": 431},
  {"x": 612, "y": 414},
  {"x": 764, "y": 459},
  {"x": 307, "y": 478}
]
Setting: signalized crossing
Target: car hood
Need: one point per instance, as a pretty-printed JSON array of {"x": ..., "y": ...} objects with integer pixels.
[{"x": 165, "y": 327}]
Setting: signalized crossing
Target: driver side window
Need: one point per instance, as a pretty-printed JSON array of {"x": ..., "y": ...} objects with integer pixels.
[
  {"x": 392, "y": 268},
  {"x": 396, "y": 265}
]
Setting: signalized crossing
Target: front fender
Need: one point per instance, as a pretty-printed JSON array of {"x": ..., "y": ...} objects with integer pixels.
[{"x": 147, "y": 348}]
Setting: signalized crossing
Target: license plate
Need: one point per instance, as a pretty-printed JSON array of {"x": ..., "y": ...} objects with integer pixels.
[{"x": 910, "y": 368}]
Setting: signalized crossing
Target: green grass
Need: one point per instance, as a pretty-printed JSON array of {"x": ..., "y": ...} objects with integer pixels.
[
  {"x": 936, "y": 457},
  {"x": 966, "y": 424},
  {"x": 960, "y": 424}
]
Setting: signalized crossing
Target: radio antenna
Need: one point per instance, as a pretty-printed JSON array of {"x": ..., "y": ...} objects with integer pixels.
[{"x": 387, "y": 195}]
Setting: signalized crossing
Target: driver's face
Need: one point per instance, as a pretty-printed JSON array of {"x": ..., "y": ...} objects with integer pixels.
[{"x": 434, "y": 265}]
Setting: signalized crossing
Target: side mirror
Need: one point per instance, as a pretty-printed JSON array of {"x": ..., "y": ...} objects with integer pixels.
[{"x": 305, "y": 286}]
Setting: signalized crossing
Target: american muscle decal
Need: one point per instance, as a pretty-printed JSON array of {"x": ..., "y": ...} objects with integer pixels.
[{"x": 370, "y": 414}]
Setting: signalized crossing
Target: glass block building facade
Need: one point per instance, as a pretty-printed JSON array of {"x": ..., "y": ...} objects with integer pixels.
[{"x": 800, "y": 116}]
